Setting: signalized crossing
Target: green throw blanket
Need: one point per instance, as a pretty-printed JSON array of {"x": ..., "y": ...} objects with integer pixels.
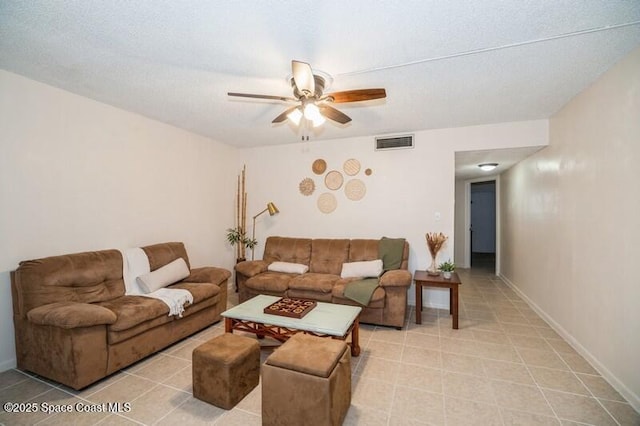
[{"x": 361, "y": 290}]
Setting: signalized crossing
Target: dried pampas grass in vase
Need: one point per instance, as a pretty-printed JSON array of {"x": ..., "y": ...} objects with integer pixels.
[{"x": 434, "y": 243}]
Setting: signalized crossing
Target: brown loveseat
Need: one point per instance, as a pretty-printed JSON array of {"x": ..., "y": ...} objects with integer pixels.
[
  {"x": 325, "y": 258},
  {"x": 73, "y": 323}
]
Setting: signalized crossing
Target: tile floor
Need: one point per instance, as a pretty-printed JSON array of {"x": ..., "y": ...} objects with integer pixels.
[{"x": 504, "y": 366}]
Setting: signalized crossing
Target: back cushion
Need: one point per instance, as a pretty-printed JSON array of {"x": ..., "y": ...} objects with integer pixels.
[
  {"x": 327, "y": 256},
  {"x": 362, "y": 250},
  {"x": 81, "y": 277},
  {"x": 283, "y": 249},
  {"x": 164, "y": 253}
]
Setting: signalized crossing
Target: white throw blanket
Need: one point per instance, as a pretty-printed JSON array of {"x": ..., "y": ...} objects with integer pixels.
[
  {"x": 135, "y": 263},
  {"x": 175, "y": 298}
]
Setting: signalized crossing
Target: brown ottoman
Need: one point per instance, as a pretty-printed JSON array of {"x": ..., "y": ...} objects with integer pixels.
[
  {"x": 225, "y": 369},
  {"x": 307, "y": 381}
]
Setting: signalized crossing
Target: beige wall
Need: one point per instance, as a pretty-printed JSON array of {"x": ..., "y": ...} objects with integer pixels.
[
  {"x": 571, "y": 225},
  {"x": 79, "y": 175}
]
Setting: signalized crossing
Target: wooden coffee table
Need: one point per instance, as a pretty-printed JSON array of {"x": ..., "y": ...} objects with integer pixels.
[
  {"x": 325, "y": 320},
  {"x": 423, "y": 279}
]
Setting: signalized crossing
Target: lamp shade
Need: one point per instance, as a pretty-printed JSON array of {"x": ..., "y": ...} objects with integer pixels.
[{"x": 272, "y": 209}]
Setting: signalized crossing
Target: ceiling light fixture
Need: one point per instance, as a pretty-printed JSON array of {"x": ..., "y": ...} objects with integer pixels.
[
  {"x": 295, "y": 116},
  {"x": 487, "y": 167}
]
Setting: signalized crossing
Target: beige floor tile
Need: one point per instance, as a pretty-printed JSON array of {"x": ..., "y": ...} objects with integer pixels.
[
  {"x": 480, "y": 315},
  {"x": 491, "y": 337},
  {"x": 59, "y": 398},
  {"x": 421, "y": 356},
  {"x": 600, "y": 387},
  {"x": 252, "y": 402},
  {"x": 464, "y": 332},
  {"x": 521, "y": 418},
  {"x": 155, "y": 404},
  {"x": 390, "y": 351},
  {"x": 559, "y": 380},
  {"x": 547, "y": 332},
  {"x": 418, "y": 405},
  {"x": 182, "y": 380},
  {"x": 497, "y": 352},
  {"x": 33, "y": 412},
  {"x": 125, "y": 390},
  {"x": 578, "y": 408},
  {"x": 378, "y": 368},
  {"x": 423, "y": 378},
  {"x": 209, "y": 333},
  {"x": 117, "y": 420},
  {"x": 560, "y": 345},
  {"x": 193, "y": 412},
  {"x": 11, "y": 377},
  {"x": 403, "y": 421},
  {"x": 530, "y": 342},
  {"x": 513, "y": 319},
  {"x": 508, "y": 371},
  {"x": 622, "y": 412},
  {"x": 371, "y": 393},
  {"x": 389, "y": 335},
  {"x": 458, "y": 346},
  {"x": 545, "y": 359},
  {"x": 185, "y": 349},
  {"x": 164, "y": 366},
  {"x": 520, "y": 397},
  {"x": 577, "y": 363},
  {"x": 465, "y": 364},
  {"x": 464, "y": 386},
  {"x": 464, "y": 412},
  {"x": 239, "y": 418},
  {"x": 98, "y": 386},
  {"x": 24, "y": 391},
  {"x": 421, "y": 340},
  {"x": 365, "y": 416},
  {"x": 520, "y": 329}
]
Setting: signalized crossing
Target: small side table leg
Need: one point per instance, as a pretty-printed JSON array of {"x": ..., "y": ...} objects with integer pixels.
[
  {"x": 454, "y": 302},
  {"x": 450, "y": 300},
  {"x": 418, "y": 303}
]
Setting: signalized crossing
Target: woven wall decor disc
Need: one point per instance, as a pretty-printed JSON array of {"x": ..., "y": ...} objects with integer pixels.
[
  {"x": 355, "y": 189},
  {"x": 351, "y": 167},
  {"x": 333, "y": 180},
  {"x": 307, "y": 186},
  {"x": 319, "y": 166},
  {"x": 327, "y": 202}
]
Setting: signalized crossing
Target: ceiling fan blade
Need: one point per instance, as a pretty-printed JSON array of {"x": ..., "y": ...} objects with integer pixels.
[
  {"x": 303, "y": 77},
  {"x": 333, "y": 114},
  {"x": 282, "y": 117},
  {"x": 357, "y": 95},
  {"x": 251, "y": 95}
]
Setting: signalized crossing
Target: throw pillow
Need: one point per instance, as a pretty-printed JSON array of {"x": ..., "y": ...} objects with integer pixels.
[
  {"x": 390, "y": 251},
  {"x": 164, "y": 276},
  {"x": 369, "y": 268},
  {"x": 288, "y": 267}
]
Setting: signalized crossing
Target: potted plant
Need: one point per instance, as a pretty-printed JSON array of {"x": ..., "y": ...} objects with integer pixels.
[
  {"x": 447, "y": 268},
  {"x": 238, "y": 238}
]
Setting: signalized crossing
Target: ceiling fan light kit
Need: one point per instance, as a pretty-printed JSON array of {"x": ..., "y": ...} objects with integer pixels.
[{"x": 313, "y": 105}]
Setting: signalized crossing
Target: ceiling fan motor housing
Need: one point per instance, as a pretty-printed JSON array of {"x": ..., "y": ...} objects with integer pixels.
[{"x": 319, "y": 82}]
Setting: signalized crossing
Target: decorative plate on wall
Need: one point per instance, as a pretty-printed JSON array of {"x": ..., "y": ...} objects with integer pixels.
[
  {"x": 351, "y": 167},
  {"x": 307, "y": 186},
  {"x": 355, "y": 189},
  {"x": 327, "y": 202},
  {"x": 333, "y": 180},
  {"x": 319, "y": 166}
]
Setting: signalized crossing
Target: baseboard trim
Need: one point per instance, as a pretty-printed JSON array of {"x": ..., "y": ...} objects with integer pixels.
[
  {"x": 8, "y": 365},
  {"x": 631, "y": 397}
]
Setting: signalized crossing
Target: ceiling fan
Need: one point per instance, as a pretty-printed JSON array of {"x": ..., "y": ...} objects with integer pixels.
[{"x": 312, "y": 103}]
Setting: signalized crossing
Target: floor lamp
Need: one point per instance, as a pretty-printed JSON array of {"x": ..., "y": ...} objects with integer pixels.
[{"x": 272, "y": 209}]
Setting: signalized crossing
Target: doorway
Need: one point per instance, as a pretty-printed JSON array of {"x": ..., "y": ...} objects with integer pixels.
[{"x": 482, "y": 226}]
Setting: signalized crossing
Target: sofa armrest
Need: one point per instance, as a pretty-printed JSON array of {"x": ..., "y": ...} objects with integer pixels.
[
  {"x": 71, "y": 315},
  {"x": 396, "y": 278},
  {"x": 249, "y": 268},
  {"x": 208, "y": 274}
]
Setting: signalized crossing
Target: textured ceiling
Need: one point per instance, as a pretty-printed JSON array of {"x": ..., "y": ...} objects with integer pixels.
[{"x": 443, "y": 63}]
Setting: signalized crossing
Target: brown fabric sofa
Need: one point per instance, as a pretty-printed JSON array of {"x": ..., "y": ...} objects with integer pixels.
[
  {"x": 388, "y": 305},
  {"x": 73, "y": 323}
]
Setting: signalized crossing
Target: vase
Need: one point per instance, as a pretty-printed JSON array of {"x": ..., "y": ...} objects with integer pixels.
[
  {"x": 446, "y": 275},
  {"x": 433, "y": 269}
]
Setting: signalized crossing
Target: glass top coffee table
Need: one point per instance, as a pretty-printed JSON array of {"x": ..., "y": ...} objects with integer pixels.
[{"x": 325, "y": 320}]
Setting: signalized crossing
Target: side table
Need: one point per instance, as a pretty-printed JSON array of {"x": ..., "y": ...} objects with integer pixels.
[{"x": 423, "y": 279}]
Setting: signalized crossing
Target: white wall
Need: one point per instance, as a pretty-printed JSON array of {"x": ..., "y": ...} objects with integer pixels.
[
  {"x": 404, "y": 192},
  {"x": 571, "y": 225},
  {"x": 78, "y": 175}
]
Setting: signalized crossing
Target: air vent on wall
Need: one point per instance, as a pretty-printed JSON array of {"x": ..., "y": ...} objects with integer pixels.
[{"x": 394, "y": 142}]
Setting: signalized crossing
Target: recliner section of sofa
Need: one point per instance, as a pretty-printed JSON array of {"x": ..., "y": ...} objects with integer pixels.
[
  {"x": 75, "y": 325},
  {"x": 325, "y": 257}
]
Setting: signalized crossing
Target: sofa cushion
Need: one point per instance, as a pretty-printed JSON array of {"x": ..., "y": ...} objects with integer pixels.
[
  {"x": 166, "y": 275},
  {"x": 163, "y": 253},
  {"x": 321, "y": 283},
  {"x": 133, "y": 310},
  {"x": 328, "y": 255},
  {"x": 364, "y": 269},
  {"x": 283, "y": 249},
  {"x": 272, "y": 282},
  {"x": 288, "y": 267},
  {"x": 199, "y": 291},
  {"x": 71, "y": 315},
  {"x": 361, "y": 250}
]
